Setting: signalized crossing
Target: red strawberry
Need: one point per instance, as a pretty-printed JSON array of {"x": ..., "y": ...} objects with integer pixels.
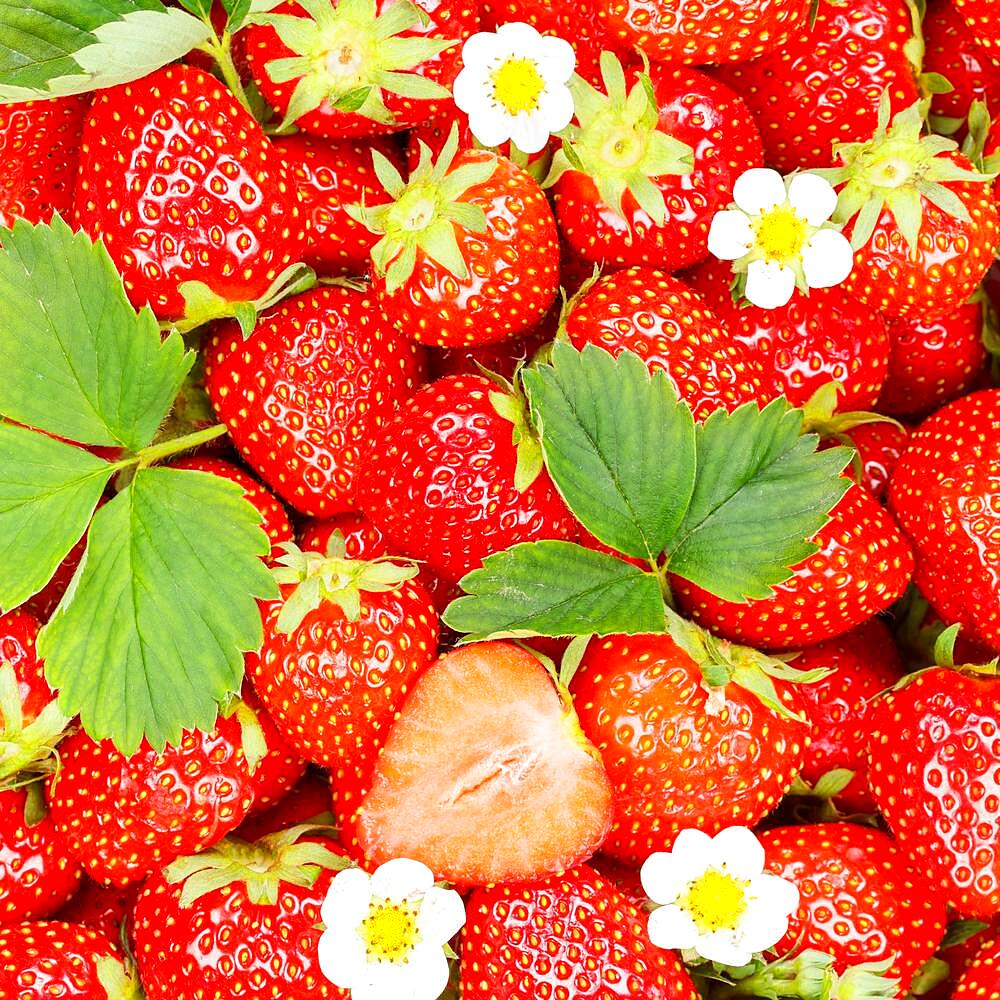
[
  {"x": 932, "y": 768},
  {"x": 681, "y": 752},
  {"x": 863, "y": 663},
  {"x": 571, "y": 935},
  {"x": 503, "y": 358},
  {"x": 980, "y": 17},
  {"x": 102, "y": 907},
  {"x": 858, "y": 899},
  {"x": 650, "y": 186},
  {"x": 182, "y": 185},
  {"x": 280, "y": 768},
  {"x": 817, "y": 338},
  {"x": 672, "y": 329},
  {"x": 486, "y": 776},
  {"x": 447, "y": 462},
  {"x": 823, "y": 85},
  {"x": 39, "y": 150},
  {"x": 945, "y": 494},
  {"x": 863, "y": 564},
  {"x": 879, "y": 446},
  {"x": 304, "y": 396},
  {"x": 307, "y": 802},
  {"x": 981, "y": 979}
]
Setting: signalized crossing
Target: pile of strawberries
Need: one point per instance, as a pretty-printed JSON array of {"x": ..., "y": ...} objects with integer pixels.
[{"x": 372, "y": 297}]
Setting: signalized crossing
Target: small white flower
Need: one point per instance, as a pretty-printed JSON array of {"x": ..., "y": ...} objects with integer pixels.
[
  {"x": 385, "y": 933},
  {"x": 715, "y": 896},
  {"x": 514, "y": 86},
  {"x": 777, "y": 232}
]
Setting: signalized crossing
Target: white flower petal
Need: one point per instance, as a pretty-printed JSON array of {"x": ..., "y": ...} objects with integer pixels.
[
  {"x": 730, "y": 236},
  {"x": 671, "y": 927},
  {"x": 775, "y": 892},
  {"x": 490, "y": 125},
  {"x": 758, "y": 189},
  {"x": 556, "y": 107},
  {"x": 723, "y": 946},
  {"x": 423, "y": 977},
  {"x": 529, "y": 133},
  {"x": 664, "y": 876},
  {"x": 762, "y": 928},
  {"x": 519, "y": 36},
  {"x": 400, "y": 878},
  {"x": 739, "y": 851},
  {"x": 469, "y": 89},
  {"x": 556, "y": 59},
  {"x": 442, "y": 915},
  {"x": 479, "y": 50},
  {"x": 348, "y": 897},
  {"x": 827, "y": 259},
  {"x": 812, "y": 197},
  {"x": 769, "y": 285},
  {"x": 694, "y": 848},
  {"x": 342, "y": 958}
]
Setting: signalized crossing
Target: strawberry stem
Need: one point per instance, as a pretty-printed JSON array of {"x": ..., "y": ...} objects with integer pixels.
[{"x": 166, "y": 449}]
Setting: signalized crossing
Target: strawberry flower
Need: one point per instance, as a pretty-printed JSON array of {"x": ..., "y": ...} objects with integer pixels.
[
  {"x": 514, "y": 86},
  {"x": 386, "y": 933},
  {"x": 778, "y": 234},
  {"x": 715, "y": 897}
]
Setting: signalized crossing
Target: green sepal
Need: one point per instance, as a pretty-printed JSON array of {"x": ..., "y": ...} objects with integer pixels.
[
  {"x": 26, "y": 749},
  {"x": 960, "y": 931},
  {"x": 820, "y": 416},
  {"x": 252, "y": 737},
  {"x": 119, "y": 979},
  {"x": 830, "y": 784},
  {"x": 512, "y": 406}
]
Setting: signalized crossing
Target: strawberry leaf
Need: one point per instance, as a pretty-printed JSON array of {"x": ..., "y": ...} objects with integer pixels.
[
  {"x": 623, "y": 460},
  {"x": 161, "y": 609},
  {"x": 762, "y": 491},
  {"x": 79, "y": 361},
  {"x": 555, "y": 588},
  {"x": 48, "y": 492}
]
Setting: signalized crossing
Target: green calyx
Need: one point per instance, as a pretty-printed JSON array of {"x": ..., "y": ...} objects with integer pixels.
[
  {"x": 261, "y": 867},
  {"x": 349, "y": 55},
  {"x": 424, "y": 213},
  {"x": 27, "y": 749},
  {"x": 119, "y": 979},
  {"x": 617, "y": 144},
  {"x": 252, "y": 737},
  {"x": 332, "y": 577},
  {"x": 897, "y": 170},
  {"x": 510, "y": 403}
]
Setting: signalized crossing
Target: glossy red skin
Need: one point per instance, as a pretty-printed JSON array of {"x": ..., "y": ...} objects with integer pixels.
[
  {"x": 569, "y": 935},
  {"x": 513, "y": 267},
  {"x": 183, "y": 185},
  {"x": 863, "y": 564},
  {"x": 981, "y": 19},
  {"x": 858, "y": 899},
  {"x": 18, "y": 634},
  {"x": 102, "y": 907},
  {"x": 715, "y": 122},
  {"x": 307, "y": 802},
  {"x": 933, "y": 362},
  {"x": 51, "y": 958},
  {"x": 502, "y": 358},
  {"x": 673, "y": 764},
  {"x": 224, "y": 946},
  {"x": 274, "y": 516},
  {"x": 879, "y": 447},
  {"x": 305, "y": 435},
  {"x": 673, "y": 330},
  {"x": 39, "y": 150},
  {"x": 452, "y": 19},
  {"x": 825, "y": 336},
  {"x": 330, "y": 175},
  {"x": 823, "y": 85},
  {"x": 281, "y": 767},
  {"x": 960, "y": 956},
  {"x": 865, "y": 662},
  {"x": 445, "y": 463},
  {"x": 932, "y": 764},
  {"x": 37, "y": 873},
  {"x": 704, "y": 31},
  {"x": 126, "y": 817},
  {"x": 950, "y": 262},
  {"x": 945, "y": 494},
  {"x": 981, "y": 977}
]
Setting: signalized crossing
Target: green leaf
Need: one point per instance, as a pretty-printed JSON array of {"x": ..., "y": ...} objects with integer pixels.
[
  {"x": 78, "y": 361},
  {"x": 151, "y": 634},
  {"x": 556, "y": 588},
  {"x": 48, "y": 492},
  {"x": 51, "y": 48},
  {"x": 200, "y": 8},
  {"x": 623, "y": 460},
  {"x": 762, "y": 491}
]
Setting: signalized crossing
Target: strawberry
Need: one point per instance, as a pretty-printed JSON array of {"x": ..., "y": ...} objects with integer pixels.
[
  {"x": 932, "y": 763},
  {"x": 340, "y": 68},
  {"x": 469, "y": 252},
  {"x": 503, "y": 358},
  {"x": 105, "y": 908},
  {"x": 326, "y": 373},
  {"x": 823, "y": 86},
  {"x": 684, "y": 746},
  {"x": 239, "y": 920},
  {"x": 980, "y": 17},
  {"x": 981, "y": 978},
  {"x": 817, "y": 338},
  {"x": 189, "y": 196},
  {"x": 486, "y": 775},
  {"x": 307, "y": 802},
  {"x": 863, "y": 563},
  {"x": 672, "y": 329},
  {"x": 862, "y": 664},
  {"x": 640, "y": 180},
  {"x": 69, "y": 961},
  {"x": 858, "y": 899},
  {"x": 879, "y": 447},
  {"x": 39, "y": 150},
  {"x": 570, "y": 935},
  {"x": 945, "y": 494}
]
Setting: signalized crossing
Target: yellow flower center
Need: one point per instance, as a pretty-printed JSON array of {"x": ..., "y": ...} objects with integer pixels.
[
  {"x": 390, "y": 931},
  {"x": 715, "y": 901},
  {"x": 781, "y": 234},
  {"x": 517, "y": 85}
]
